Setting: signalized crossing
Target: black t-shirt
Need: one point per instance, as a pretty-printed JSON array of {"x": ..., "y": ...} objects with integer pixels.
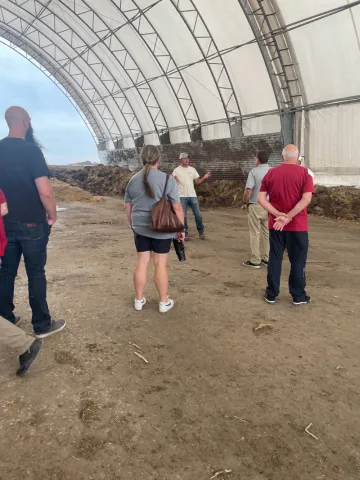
[{"x": 21, "y": 163}]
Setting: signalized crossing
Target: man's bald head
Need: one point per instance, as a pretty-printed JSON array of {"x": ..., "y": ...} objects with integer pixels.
[
  {"x": 290, "y": 154},
  {"x": 16, "y": 116},
  {"x": 18, "y": 121}
]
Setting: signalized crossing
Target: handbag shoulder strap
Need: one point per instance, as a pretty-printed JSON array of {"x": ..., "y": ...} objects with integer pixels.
[{"x": 166, "y": 183}]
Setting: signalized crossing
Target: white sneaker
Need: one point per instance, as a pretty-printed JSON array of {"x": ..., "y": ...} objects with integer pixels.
[
  {"x": 139, "y": 304},
  {"x": 166, "y": 306}
]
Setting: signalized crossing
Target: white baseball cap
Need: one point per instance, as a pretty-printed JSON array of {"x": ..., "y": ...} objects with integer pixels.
[{"x": 183, "y": 155}]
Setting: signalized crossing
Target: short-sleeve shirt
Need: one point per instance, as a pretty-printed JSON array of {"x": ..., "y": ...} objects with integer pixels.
[
  {"x": 254, "y": 180},
  {"x": 142, "y": 204},
  {"x": 21, "y": 163},
  {"x": 3, "y": 239},
  {"x": 186, "y": 178},
  {"x": 285, "y": 186},
  {"x": 311, "y": 173}
]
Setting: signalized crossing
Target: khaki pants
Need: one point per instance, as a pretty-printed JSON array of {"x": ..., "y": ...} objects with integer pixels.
[
  {"x": 259, "y": 233},
  {"x": 14, "y": 337}
]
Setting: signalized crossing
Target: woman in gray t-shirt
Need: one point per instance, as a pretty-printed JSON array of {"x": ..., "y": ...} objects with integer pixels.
[{"x": 143, "y": 191}]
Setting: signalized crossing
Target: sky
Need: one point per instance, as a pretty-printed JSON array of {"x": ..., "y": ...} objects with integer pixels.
[{"x": 56, "y": 123}]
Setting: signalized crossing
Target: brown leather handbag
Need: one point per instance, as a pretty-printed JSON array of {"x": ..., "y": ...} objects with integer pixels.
[{"x": 163, "y": 216}]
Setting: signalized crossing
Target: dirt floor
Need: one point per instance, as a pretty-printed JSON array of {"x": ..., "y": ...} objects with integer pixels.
[{"x": 217, "y": 394}]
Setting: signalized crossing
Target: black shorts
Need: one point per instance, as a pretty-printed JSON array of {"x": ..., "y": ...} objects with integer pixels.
[{"x": 156, "y": 245}]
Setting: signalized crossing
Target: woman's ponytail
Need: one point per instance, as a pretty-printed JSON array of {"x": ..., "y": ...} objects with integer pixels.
[{"x": 150, "y": 155}]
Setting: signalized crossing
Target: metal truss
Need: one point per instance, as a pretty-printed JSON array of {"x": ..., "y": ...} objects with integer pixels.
[
  {"x": 121, "y": 56},
  {"x": 39, "y": 55},
  {"x": 47, "y": 48},
  {"x": 74, "y": 40},
  {"x": 266, "y": 22},
  {"x": 153, "y": 41},
  {"x": 85, "y": 68},
  {"x": 49, "y": 19},
  {"x": 212, "y": 56},
  {"x": 69, "y": 93}
]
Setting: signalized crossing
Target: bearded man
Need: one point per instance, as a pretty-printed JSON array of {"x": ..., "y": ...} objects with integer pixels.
[{"x": 24, "y": 179}]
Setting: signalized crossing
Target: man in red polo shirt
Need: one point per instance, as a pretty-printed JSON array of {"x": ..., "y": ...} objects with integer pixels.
[{"x": 289, "y": 188}]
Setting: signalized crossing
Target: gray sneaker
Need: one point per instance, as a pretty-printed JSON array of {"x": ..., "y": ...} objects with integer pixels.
[
  {"x": 251, "y": 265},
  {"x": 55, "y": 327},
  {"x": 28, "y": 357}
]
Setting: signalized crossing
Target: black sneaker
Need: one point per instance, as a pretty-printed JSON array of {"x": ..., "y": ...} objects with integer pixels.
[
  {"x": 270, "y": 299},
  {"x": 28, "y": 357},
  {"x": 250, "y": 264},
  {"x": 55, "y": 327},
  {"x": 302, "y": 302},
  {"x": 265, "y": 263}
]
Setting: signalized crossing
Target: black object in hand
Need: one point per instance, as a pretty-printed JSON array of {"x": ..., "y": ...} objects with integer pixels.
[{"x": 179, "y": 249}]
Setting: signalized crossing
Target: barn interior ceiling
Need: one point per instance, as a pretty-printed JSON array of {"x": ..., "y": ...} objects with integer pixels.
[{"x": 153, "y": 67}]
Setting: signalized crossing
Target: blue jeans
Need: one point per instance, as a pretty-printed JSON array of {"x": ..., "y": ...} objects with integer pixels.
[
  {"x": 193, "y": 203},
  {"x": 297, "y": 244},
  {"x": 29, "y": 240}
]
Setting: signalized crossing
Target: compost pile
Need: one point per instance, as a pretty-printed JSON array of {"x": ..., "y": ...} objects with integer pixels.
[
  {"x": 336, "y": 202},
  {"x": 221, "y": 193},
  {"x": 100, "y": 180},
  {"x": 333, "y": 202},
  {"x": 68, "y": 194}
]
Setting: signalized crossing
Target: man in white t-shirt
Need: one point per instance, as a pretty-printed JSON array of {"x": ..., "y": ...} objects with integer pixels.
[
  {"x": 185, "y": 177},
  {"x": 310, "y": 172}
]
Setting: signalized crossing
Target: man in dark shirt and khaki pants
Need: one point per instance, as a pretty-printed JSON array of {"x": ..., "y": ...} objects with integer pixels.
[
  {"x": 24, "y": 179},
  {"x": 257, "y": 216}
]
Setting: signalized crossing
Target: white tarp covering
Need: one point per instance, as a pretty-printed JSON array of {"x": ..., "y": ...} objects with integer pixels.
[
  {"x": 327, "y": 50},
  {"x": 334, "y": 150},
  {"x": 137, "y": 67}
]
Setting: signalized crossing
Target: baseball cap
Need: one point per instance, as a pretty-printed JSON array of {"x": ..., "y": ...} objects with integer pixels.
[{"x": 183, "y": 155}]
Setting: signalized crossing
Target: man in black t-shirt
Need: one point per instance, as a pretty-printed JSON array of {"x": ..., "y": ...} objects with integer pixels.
[{"x": 24, "y": 179}]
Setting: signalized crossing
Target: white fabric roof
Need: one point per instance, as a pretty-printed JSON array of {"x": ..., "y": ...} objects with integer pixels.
[{"x": 145, "y": 67}]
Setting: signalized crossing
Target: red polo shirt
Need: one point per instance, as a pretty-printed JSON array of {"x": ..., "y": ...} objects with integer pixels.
[
  {"x": 285, "y": 186},
  {"x": 3, "y": 239}
]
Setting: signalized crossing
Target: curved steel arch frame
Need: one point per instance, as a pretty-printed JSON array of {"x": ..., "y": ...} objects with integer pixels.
[
  {"x": 153, "y": 41},
  {"x": 133, "y": 72},
  {"x": 63, "y": 78},
  {"x": 263, "y": 16},
  {"x": 216, "y": 64},
  {"x": 57, "y": 84},
  {"x": 266, "y": 21},
  {"x": 59, "y": 74},
  {"x": 75, "y": 40}
]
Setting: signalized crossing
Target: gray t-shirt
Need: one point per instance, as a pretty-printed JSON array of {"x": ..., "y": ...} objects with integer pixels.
[
  {"x": 142, "y": 204},
  {"x": 254, "y": 180}
]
